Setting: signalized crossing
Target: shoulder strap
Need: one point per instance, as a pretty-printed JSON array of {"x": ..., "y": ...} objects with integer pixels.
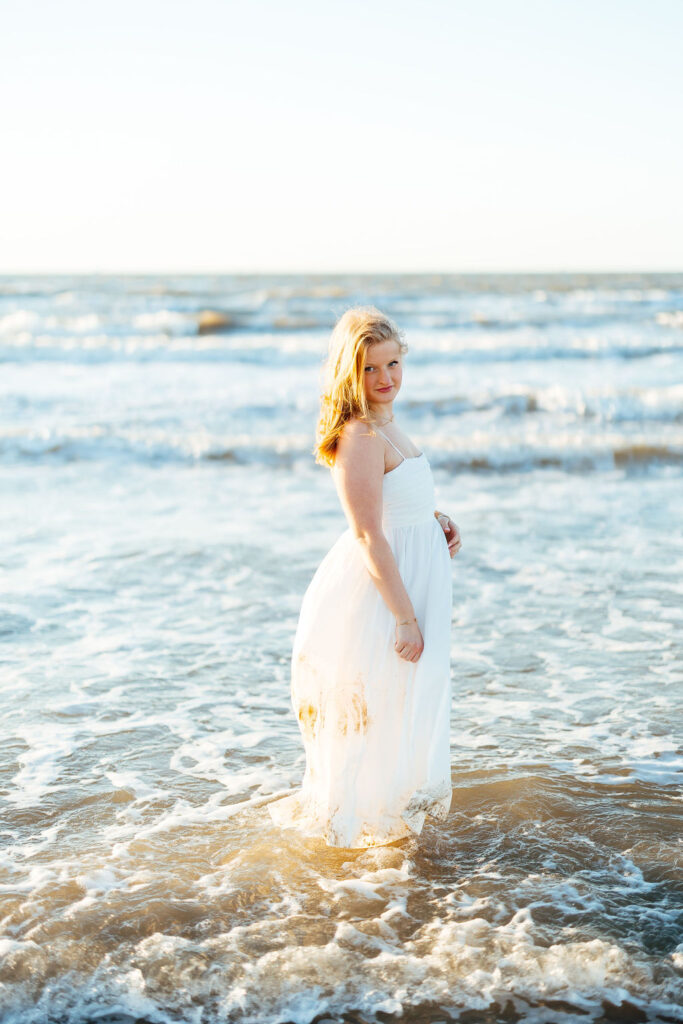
[{"x": 390, "y": 442}]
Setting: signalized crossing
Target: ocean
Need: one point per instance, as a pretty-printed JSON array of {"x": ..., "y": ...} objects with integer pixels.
[{"x": 161, "y": 518}]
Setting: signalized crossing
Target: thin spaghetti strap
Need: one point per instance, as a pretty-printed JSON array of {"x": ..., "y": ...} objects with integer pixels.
[{"x": 390, "y": 442}]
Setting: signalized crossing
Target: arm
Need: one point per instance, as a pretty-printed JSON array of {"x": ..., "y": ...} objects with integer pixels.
[{"x": 358, "y": 475}]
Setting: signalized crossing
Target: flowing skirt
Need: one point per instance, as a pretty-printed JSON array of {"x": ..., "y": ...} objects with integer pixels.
[{"x": 375, "y": 728}]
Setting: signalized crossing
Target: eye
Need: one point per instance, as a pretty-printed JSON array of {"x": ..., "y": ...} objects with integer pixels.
[
  {"x": 369, "y": 368},
  {"x": 394, "y": 362}
]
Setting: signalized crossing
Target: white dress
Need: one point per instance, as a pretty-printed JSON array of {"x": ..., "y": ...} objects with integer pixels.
[{"x": 375, "y": 727}]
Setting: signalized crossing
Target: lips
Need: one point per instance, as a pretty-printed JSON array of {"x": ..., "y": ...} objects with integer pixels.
[{"x": 386, "y": 389}]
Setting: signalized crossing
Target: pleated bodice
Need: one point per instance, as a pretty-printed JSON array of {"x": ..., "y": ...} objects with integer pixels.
[{"x": 408, "y": 493}]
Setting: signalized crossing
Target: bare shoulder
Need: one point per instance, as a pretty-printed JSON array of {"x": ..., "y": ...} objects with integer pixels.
[
  {"x": 359, "y": 442},
  {"x": 355, "y": 429},
  {"x": 357, "y": 435}
]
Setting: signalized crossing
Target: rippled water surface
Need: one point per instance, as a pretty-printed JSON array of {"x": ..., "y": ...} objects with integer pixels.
[{"x": 162, "y": 516}]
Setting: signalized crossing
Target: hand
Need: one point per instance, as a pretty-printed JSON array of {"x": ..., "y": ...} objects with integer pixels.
[
  {"x": 452, "y": 534},
  {"x": 409, "y": 643}
]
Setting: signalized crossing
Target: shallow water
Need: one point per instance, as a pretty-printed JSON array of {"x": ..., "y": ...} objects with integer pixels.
[{"x": 162, "y": 518}]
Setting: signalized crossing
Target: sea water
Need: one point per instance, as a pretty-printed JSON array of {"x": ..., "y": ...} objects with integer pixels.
[{"x": 161, "y": 515}]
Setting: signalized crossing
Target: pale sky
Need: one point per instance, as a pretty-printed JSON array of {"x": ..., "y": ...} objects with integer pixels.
[{"x": 318, "y": 136}]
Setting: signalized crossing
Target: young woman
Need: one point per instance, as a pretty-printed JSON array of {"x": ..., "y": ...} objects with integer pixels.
[{"x": 370, "y": 672}]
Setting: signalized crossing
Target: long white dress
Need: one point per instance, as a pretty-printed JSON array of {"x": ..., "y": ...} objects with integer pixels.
[{"x": 375, "y": 727}]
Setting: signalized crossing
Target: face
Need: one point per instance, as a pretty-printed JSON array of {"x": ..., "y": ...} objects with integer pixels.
[{"x": 383, "y": 372}]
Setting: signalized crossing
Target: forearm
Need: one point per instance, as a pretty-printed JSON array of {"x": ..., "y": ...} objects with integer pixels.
[{"x": 381, "y": 564}]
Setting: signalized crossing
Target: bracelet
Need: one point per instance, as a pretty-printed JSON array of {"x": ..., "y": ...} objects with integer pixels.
[{"x": 406, "y": 622}]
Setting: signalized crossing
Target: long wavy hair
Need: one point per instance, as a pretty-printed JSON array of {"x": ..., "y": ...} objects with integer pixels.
[{"x": 343, "y": 395}]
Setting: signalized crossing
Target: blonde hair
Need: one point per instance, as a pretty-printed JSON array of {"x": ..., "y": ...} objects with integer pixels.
[{"x": 343, "y": 393}]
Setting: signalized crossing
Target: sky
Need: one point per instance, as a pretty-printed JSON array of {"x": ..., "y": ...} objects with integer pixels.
[{"x": 267, "y": 136}]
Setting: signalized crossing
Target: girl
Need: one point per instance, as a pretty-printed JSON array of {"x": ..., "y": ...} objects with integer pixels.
[{"x": 370, "y": 670}]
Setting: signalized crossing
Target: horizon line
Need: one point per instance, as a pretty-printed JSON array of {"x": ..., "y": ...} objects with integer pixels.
[{"x": 330, "y": 273}]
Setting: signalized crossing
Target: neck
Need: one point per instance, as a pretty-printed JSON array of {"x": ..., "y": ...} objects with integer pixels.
[{"x": 381, "y": 411}]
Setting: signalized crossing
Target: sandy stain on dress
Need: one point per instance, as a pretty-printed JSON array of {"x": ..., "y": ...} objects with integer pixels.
[
  {"x": 309, "y": 718},
  {"x": 309, "y": 713},
  {"x": 354, "y": 716},
  {"x": 350, "y": 709}
]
